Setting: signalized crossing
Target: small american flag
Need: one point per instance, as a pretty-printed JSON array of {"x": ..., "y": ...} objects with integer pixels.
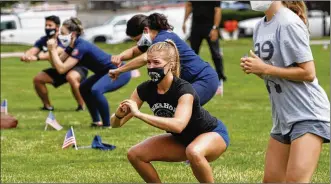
[
  {"x": 4, "y": 106},
  {"x": 69, "y": 139},
  {"x": 50, "y": 120}
]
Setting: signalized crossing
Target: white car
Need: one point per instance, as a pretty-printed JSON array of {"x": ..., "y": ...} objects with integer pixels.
[
  {"x": 315, "y": 23},
  {"x": 113, "y": 31}
]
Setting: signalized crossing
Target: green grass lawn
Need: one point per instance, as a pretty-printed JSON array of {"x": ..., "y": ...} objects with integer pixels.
[{"x": 30, "y": 154}]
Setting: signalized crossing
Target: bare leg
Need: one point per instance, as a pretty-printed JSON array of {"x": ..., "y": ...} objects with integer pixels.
[
  {"x": 40, "y": 82},
  {"x": 73, "y": 77},
  {"x": 158, "y": 148},
  {"x": 276, "y": 162},
  {"x": 304, "y": 156},
  {"x": 205, "y": 148}
]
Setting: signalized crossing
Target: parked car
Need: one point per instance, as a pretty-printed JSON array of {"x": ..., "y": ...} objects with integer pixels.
[
  {"x": 235, "y": 5},
  {"x": 113, "y": 30},
  {"x": 246, "y": 27},
  {"x": 27, "y": 27},
  {"x": 315, "y": 23}
]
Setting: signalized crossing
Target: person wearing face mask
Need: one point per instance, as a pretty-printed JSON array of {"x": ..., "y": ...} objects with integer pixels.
[
  {"x": 300, "y": 107},
  {"x": 191, "y": 132},
  {"x": 50, "y": 76},
  {"x": 83, "y": 53},
  {"x": 147, "y": 30}
]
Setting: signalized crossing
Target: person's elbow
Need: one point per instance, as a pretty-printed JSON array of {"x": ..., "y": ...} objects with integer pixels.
[
  {"x": 179, "y": 126},
  {"x": 310, "y": 77},
  {"x": 113, "y": 125},
  {"x": 309, "y": 74}
]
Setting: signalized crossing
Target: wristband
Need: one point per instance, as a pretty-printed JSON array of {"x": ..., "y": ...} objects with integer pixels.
[
  {"x": 118, "y": 116},
  {"x": 69, "y": 50}
]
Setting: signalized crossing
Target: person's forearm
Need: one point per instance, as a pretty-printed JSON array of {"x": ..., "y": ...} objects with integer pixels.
[
  {"x": 116, "y": 122},
  {"x": 64, "y": 56},
  {"x": 127, "y": 54},
  {"x": 134, "y": 64},
  {"x": 31, "y": 53},
  {"x": 290, "y": 73},
  {"x": 188, "y": 11},
  {"x": 259, "y": 75},
  {"x": 56, "y": 61},
  {"x": 217, "y": 16},
  {"x": 174, "y": 125},
  {"x": 43, "y": 55}
]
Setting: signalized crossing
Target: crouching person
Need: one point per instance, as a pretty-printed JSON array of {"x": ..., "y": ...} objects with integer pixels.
[{"x": 192, "y": 133}]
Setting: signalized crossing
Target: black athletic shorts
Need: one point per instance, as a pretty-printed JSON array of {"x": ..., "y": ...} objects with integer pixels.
[{"x": 59, "y": 79}]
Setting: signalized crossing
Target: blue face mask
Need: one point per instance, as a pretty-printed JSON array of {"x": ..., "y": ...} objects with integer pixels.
[{"x": 50, "y": 32}]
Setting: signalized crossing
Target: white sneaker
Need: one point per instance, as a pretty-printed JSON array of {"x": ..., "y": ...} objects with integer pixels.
[
  {"x": 220, "y": 89},
  {"x": 135, "y": 73}
]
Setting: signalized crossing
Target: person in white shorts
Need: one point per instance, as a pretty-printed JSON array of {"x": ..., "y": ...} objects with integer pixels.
[{"x": 300, "y": 107}]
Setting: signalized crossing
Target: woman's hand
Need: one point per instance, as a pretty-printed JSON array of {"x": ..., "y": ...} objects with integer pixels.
[
  {"x": 51, "y": 44},
  {"x": 116, "y": 60},
  {"x": 114, "y": 73},
  {"x": 122, "y": 110},
  {"x": 253, "y": 64},
  {"x": 132, "y": 106}
]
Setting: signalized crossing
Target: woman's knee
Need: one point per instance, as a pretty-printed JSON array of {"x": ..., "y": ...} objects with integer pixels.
[
  {"x": 73, "y": 77},
  {"x": 96, "y": 91},
  {"x": 301, "y": 174},
  {"x": 194, "y": 154},
  {"x": 133, "y": 154}
]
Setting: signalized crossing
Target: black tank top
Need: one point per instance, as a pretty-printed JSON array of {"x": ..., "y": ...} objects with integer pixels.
[{"x": 164, "y": 105}]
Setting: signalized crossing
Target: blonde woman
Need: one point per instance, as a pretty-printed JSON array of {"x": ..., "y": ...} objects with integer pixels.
[{"x": 192, "y": 133}]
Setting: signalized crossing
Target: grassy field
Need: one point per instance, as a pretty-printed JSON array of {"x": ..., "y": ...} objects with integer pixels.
[{"x": 30, "y": 154}]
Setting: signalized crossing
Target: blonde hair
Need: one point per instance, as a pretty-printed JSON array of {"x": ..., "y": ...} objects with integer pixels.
[
  {"x": 299, "y": 8},
  {"x": 74, "y": 24},
  {"x": 171, "y": 54}
]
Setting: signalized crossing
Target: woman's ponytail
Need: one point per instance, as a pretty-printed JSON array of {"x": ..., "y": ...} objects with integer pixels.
[{"x": 299, "y": 8}]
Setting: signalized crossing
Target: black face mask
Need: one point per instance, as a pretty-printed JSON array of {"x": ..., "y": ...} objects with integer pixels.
[
  {"x": 50, "y": 32},
  {"x": 157, "y": 74}
]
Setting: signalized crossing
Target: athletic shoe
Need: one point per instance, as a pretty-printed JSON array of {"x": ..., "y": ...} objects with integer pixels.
[
  {"x": 98, "y": 124},
  {"x": 106, "y": 127},
  {"x": 51, "y": 108}
]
